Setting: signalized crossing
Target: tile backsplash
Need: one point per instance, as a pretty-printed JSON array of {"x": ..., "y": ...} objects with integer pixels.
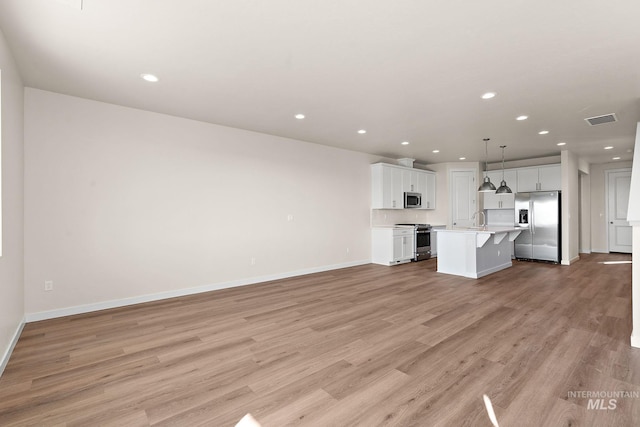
[
  {"x": 500, "y": 216},
  {"x": 398, "y": 216}
]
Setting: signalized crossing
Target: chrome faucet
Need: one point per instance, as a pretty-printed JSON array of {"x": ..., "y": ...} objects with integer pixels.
[{"x": 473, "y": 218}]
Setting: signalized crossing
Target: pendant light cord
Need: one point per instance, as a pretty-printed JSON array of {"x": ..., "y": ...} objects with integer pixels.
[
  {"x": 503, "y": 147},
  {"x": 486, "y": 157}
]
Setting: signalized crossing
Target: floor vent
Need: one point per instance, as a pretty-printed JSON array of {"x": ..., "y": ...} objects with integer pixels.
[{"x": 600, "y": 120}]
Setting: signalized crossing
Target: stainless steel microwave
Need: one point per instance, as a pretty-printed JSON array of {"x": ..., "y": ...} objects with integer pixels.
[{"x": 412, "y": 200}]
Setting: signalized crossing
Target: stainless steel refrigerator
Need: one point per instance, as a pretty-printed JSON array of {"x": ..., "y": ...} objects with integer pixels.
[{"x": 538, "y": 215}]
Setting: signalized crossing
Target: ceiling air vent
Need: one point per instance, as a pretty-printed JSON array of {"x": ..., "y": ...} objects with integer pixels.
[{"x": 600, "y": 120}]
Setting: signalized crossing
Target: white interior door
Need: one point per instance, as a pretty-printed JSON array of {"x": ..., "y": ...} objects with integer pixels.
[
  {"x": 463, "y": 194},
  {"x": 618, "y": 187}
]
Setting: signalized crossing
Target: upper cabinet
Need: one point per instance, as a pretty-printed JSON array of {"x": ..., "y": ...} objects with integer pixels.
[
  {"x": 501, "y": 201},
  {"x": 429, "y": 194},
  {"x": 550, "y": 177},
  {"x": 510, "y": 177},
  {"x": 390, "y": 182},
  {"x": 520, "y": 180},
  {"x": 386, "y": 186},
  {"x": 539, "y": 178}
]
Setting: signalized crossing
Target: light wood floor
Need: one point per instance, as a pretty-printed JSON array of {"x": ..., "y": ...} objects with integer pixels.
[{"x": 365, "y": 346}]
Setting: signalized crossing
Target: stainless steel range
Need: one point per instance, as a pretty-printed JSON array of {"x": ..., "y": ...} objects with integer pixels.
[{"x": 422, "y": 249}]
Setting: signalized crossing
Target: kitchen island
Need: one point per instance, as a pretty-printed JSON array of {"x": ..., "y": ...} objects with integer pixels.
[{"x": 475, "y": 252}]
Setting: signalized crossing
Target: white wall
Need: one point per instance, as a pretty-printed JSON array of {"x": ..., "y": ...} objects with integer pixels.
[
  {"x": 633, "y": 216},
  {"x": 123, "y": 203},
  {"x": 11, "y": 262},
  {"x": 597, "y": 174},
  {"x": 570, "y": 207},
  {"x": 585, "y": 213},
  {"x": 634, "y": 196}
]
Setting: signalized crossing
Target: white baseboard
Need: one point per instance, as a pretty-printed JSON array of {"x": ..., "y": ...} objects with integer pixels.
[
  {"x": 87, "y": 308},
  {"x": 7, "y": 354},
  {"x": 635, "y": 340},
  {"x": 571, "y": 261}
]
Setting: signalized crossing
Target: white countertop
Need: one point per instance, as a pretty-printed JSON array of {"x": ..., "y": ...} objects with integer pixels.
[
  {"x": 393, "y": 226},
  {"x": 491, "y": 229}
]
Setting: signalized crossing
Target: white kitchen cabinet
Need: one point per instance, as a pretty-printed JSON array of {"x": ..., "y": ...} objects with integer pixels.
[
  {"x": 429, "y": 195},
  {"x": 410, "y": 180},
  {"x": 550, "y": 177},
  {"x": 390, "y": 182},
  {"x": 527, "y": 179},
  {"x": 386, "y": 187},
  {"x": 501, "y": 201},
  {"x": 539, "y": 178},
  {"x": 392, "y": 245}
]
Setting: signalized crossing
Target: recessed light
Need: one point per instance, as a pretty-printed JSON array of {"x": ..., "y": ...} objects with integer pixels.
[
  {"x": 299, "y": 116},
  {"x": 616, "y": 158},
  {"x": 543, "y": 132},
  {"x": 149, "y": 77},
  {"x": 562, "y": 143},
  {"x": 520, "y": 118},
  {"x": 488, "y": 95},
  {"x": 405, "y": 143},
  {"x": 463, "y": 158},
  {"x": 609, "y": 147},
  {"x": 435, "y": 151},
  {"x": 362, "y": 131}
]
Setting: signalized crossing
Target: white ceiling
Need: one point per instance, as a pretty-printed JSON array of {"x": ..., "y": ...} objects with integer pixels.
[{"x": 404, "y": 70}]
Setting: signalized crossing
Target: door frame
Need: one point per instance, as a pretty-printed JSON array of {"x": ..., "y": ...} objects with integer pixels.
[{"x": 606, "y": 199}]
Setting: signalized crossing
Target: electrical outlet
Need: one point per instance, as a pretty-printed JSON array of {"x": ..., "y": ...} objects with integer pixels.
[
  {"x": 253, "y": 261},
  {"x": 48, "y": 285},
  {"x": 290, "y": 217},
  {"x": 347, "y": 250}
]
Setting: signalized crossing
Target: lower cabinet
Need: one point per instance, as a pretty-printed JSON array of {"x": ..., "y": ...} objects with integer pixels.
[{"x": 391, "y": 245}]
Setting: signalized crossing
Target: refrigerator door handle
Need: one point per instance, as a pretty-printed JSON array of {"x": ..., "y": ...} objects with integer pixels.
[{"x": 532, "y": 220}]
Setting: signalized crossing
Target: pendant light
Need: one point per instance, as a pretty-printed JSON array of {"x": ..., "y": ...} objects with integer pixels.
[
  {"x": 486, "y": 186},
  {"x": 503, "y": 189}
]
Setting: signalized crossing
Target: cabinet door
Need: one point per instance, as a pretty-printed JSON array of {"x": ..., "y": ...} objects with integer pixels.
[
  {"x": 398, "y": 247},
  {"x": 427, "y": 187},
  {"x": 430, "y": 194},
  {"x": 408, "y": 247},
  {"x": 494, "y": 176},
  {"x": 410, "y": 181},
  {"x": 397, "y": 194},
  {"x": 527, "y": 180},
  {"x": 510, "y": 177},
  {"x": 550, "y": 178},
  {"x": 403, "y": 245},
  {"x": 386, "y": 187},
  {"x": 491, "y": 200},
  {"x": 507, "y": 201},
  {"x": 499, "y": 201}
]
